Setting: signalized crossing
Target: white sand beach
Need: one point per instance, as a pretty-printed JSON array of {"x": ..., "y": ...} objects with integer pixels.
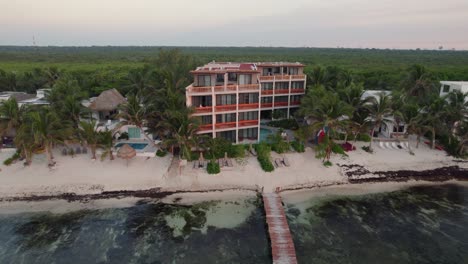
[{"x": 81, "y": 175}]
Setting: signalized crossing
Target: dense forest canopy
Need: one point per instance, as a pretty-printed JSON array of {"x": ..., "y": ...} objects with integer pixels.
[{"x": 108, "y": 66}]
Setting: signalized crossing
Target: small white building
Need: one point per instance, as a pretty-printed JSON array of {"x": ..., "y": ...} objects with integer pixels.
[
  {"x": 449, "y": 86},
  {"x": 390, "y": 128},
  {"x": 39, "y": 99}
]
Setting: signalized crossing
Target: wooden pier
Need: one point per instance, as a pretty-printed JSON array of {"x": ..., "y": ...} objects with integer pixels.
[{"x": 282, "y": 245}]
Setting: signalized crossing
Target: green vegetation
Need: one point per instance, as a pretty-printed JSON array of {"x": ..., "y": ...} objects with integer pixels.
[
  {"x": 161, "y": 153},
  {"x": 11, "y": 159},
  {"x": 213, "y": 167},
  {"x": 277, "y": 143},
  {"x": 298, "y": 146},
  {"x": 263, "y": 156},
  {"x": 285, "y": 123}
]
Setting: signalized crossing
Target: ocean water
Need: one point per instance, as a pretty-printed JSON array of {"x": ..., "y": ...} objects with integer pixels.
[
  {"x": 424, "y": 224},
  {"x": 206, "y": 232}
]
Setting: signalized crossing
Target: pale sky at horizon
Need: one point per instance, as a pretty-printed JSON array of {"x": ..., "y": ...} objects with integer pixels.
[{"x": 312, "y": 23}]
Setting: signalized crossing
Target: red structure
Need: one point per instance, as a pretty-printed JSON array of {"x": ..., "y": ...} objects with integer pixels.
[{"x": 282, "y": 245}]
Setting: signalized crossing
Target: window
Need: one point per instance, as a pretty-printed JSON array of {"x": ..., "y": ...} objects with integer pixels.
[
  {"x": 295, "y": 98},
  {"x": 297, "y": 85},
  {"x": 281, "y": 85},
  {"x": 281, "y": 99},
  {"x": 226, "y": 99},
  {"x": 223, "y": 118},
  {"x": 206, "y": 120},
  {"x": 267, "y": 71},
  {"x": 200, "y": 101},
  {"x": 220, "y": 78},
  {"x": 267, "y": 86},
  {"x": 248, "y": 98},
  {"x": 232, "y": 77},
  {"x": 229, "y": 135},
  {"x": 293, "y": 71},
  {"x": 204, "y": 80},
  {"x": 245, "y": 78},
  {"x": 267, "y": 99},
  {"x": 446, "y": 88},
  {"x": 249, "y": 133},
  {"x": 248, "y": 115}
]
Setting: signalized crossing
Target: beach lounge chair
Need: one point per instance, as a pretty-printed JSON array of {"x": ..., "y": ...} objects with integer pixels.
[
  {"x": 229, "y": 163},
  {"x": 381, "y": 145},
  {"x": 286, "y": 162},
  {"x": 220, "y": 163}
]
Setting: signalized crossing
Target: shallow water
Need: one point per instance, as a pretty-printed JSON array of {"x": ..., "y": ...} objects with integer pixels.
[
  {"x": 424, "y": 224},
  {"x": 208, "y": 232}
]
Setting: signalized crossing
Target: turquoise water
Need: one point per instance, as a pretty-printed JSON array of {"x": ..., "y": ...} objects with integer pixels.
[
  {"x": 137, "y": 146},
  {"x": 264, "y": 134},
  {"x": 208, "y": 232},
  {"x": 427, "y": 224}
]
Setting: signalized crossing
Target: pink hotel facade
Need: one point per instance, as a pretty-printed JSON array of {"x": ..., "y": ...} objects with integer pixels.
[{"x": 231, "y": 98}]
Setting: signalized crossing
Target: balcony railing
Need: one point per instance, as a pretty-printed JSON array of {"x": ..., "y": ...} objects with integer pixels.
[
  {"x": 295, "y": 103},
  {"x": 222, "y": 108},
  {"x": 225, "y": 125},
  {"x": 206, "y": 127},
  {"x": 298, "y": 90},
  {"x": 244, "y": 123},
  {"x": 203, "y": 109},
  {"x": 282, "y": 91},
  {"x": 227, "y": 88},
  {"x": 282, "y": 77},
  {"x": 248, "y": 106},
  {"x": 267, "y": 92},
  {"x": 266, "y": 105},
  {"x": 281, "y": 104}
]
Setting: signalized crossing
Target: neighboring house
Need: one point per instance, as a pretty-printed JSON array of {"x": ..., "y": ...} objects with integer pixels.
[
  {"x": 19, "y": 96},
  {"x": 231, "y": 98},
  {"x": 39, "y": 99},
  {"x": 390, "y": 128},
  {"x": 105, "y": 109},
  {"x": 449, "y": 86}
]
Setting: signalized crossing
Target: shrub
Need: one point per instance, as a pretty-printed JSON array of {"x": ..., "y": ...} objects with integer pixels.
[
  {"x": 278, "y": 144},
  {"x": 327, "y": 163},
  {"x": 285, "y": 123},
  {"x": 298, "y": 146},
  {"x": 213, "y": 167},
  {"x": 161, "y": 153},
  {"x": 11, "y": 159},
  {"x": 263, "y": 157},
  {"x": 367, "y": 149}
]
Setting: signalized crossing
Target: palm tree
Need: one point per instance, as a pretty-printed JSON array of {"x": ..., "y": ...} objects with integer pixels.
[
  {"x": 380, "y": 110},
  {"x": 88, "y": 132},
  {"x": 11, "y": 115},
  {"x": 456, "y": 110},
  {"x": 47, "y": 129},
  {"x": 330, "y": 113},
  {"x": 134, "y": 113},
  {"x": 433, "y": 115},
  {"x": 411, "y": 116},
  {"x": 182, "y": 132},
  {"x": 418, "y": 82},
  {"x": 25, "y": 142},
  {"x": 106, "y": 140}
]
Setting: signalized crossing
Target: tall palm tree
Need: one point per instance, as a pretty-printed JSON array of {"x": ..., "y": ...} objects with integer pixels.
[
  {"x": 182, "y": 132},
  {"x": 47, "y": 129},
  {"x": 133, "y": 112},
  {"x": 380, "y": 110},
  {"x": 456, "y": 110},
  {"x": 411, "y": 116},
  {"x": 433, "y": 116},
  {"x": 11, "y": 115},
  {"x": 25, "y": 142},
  {"x": 330, "y": 113},
  {"x": 106, "y": 140},
  {"x": 418, "y": 83},
  {"x": 88, "y": 132}
]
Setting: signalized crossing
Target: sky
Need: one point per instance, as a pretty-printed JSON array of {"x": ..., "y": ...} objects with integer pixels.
[{"x": 397, "y": 24}]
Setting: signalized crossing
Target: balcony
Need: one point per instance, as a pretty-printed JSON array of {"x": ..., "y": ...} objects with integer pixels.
[
  {"x": 267, "y": 92},
  {"x": 223, "y": 108},
  {"x": 295, "y": 103},
  {"x": 277, "y": 104},
  {"x": 203, "y": 109},
  {"x": 298, "y": 90},
  {"x": 225, "y": 125},
  {"x": 297, "y": 77},
  {"x": 207, "y": 127},
  {"x": 267, "y": 105},
  {"x": 244, "y": 123},
  {"x": 223, "y": 88},
  {"x": 248, "y": 106},
  {"x": 282, "y": 91}
]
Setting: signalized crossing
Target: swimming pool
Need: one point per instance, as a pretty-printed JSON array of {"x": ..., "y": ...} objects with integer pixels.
[
  {"x": 137, "y": 146},
  {"x": 264, "y": 134}
]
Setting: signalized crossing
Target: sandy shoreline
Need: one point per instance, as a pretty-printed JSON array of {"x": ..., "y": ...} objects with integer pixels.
[{"x": 80, "y": 178}]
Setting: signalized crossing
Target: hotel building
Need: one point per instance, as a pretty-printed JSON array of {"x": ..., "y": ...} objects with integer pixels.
[{"x": 231, "y": 98}]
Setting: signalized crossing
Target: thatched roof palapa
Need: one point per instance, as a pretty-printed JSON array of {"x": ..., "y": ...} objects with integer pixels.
[
  {"x": 107, "y": 101},
  {"x": 126, "y": 152}
]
